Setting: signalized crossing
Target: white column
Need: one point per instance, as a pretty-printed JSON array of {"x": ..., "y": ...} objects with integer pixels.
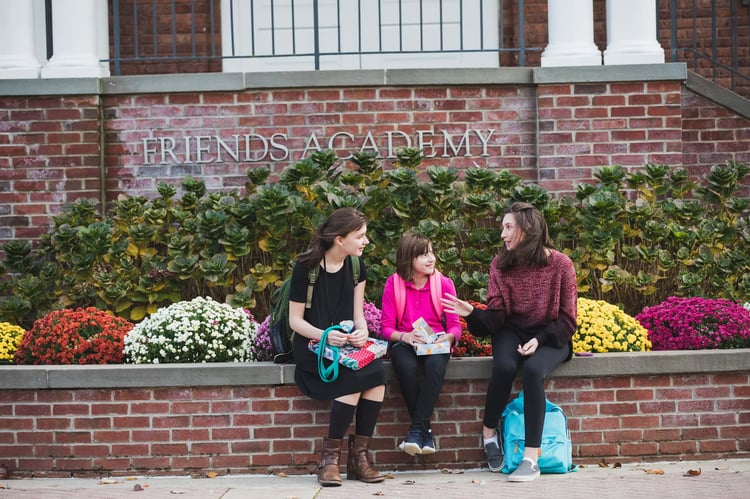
[
  {"x": 79, "y": 40},
  {"x": 631, "y": 33},
  {"x": 570, "y": 24},
  {"x": 17, "y": 52}
]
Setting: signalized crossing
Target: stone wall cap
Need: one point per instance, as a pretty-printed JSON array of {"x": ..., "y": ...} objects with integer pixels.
[{"x": 266, "y": 373}]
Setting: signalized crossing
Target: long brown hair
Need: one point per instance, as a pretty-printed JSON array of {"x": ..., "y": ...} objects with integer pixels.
[
  {"x": 532, "y": 249},
  {"x": 410, "y": 246},
  {"x": 339, "y": 223}
]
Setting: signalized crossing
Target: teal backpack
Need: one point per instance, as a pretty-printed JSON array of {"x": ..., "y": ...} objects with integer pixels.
[
  {"x": 280, "y": 332},
  {"x": 557, "y": 448}
]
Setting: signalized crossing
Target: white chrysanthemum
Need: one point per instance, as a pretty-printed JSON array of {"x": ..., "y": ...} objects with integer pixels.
[{"x": 199, "y": 330}]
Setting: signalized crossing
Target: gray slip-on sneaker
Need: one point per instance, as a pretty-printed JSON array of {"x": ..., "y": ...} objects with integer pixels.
[
  {"x": 494, "y": 453},
  {"x": 526, "y": 472}
]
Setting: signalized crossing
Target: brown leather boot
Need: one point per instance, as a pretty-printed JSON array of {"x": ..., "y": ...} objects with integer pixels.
[
  {"x": 358, "y": 465},
  {"x": 328, "y": 469}
]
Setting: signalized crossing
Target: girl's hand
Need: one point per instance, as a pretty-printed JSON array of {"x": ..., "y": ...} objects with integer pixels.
[
  {"x": 453, "y": 305},
  {"x": 358, "y": 337},
  {"x": 529, "y": 348},
  {"x": 337, "y": 338},
  {"x": 445, "y": 337},
  {"x": 410, "y": 338}
]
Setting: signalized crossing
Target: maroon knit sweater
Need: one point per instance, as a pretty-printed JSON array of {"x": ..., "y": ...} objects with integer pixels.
[{"x": 536, "y": 302}]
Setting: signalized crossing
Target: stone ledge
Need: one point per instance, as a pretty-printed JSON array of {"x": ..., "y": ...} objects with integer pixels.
[
  {"x": 235, "y": 82},
  {"x": 267, "y": 373}
]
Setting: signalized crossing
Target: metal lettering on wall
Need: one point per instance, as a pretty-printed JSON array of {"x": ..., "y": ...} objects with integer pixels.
[{"x": 253, "y": 147}]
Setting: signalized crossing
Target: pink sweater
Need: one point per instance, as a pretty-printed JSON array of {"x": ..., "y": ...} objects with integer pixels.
[{"x": 418, "y": 304}]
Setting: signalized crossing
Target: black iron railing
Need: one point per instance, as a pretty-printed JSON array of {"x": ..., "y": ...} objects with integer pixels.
[{"x": 152, "y": 36}]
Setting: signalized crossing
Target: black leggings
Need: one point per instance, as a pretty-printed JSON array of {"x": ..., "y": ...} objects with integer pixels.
[
  {"x": 420, "y": 397},
  {"x": 505, "y": 361}
]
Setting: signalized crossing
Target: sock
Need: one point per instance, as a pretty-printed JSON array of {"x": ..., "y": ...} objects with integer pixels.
[
  {"x": 341, "y": 417},
  {"x": 367, "y": 416},
  {"x": 492, "y": 439}
]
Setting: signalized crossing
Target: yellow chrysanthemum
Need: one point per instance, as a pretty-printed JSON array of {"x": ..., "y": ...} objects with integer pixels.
[
  {"x": 10, "y": 338},
  {"x": 603, "y": 327}
]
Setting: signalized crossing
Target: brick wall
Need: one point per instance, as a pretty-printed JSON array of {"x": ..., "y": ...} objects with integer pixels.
[
  {"x": 554, "y": 134},
  {"x": 273, "y": 427},
  {"x": 49, "y": 156}
]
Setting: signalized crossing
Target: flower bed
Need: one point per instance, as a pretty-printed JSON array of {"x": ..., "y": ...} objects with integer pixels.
[
  {"x": 199, "y": 330},
  {"x": 74, "y": 336}
]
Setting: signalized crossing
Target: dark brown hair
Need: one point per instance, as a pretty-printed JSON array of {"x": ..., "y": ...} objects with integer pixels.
[
  {"x": 531, "y": 249},
  {"x": 339, "y": 223},
  {"x": 410, "y": 246}
]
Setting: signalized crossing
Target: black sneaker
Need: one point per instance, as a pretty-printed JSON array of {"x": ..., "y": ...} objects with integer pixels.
[
  {"x": 428, "y": 442},
  {"x": 413, "y": 442},
  {"x": 494, "y": 453}
]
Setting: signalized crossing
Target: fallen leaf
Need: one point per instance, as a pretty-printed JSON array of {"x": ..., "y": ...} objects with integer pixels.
[
  {"x": 176, "y": 491},
  {"x": 378, "y": 493},
  {"x": 137, "y": 488},
  {"x": 654, "y": 471},
  {"x": 212, "y": 474},
  {"x": 281, "y": 474},
  {"x": 409, "y": 482},
  {"x": 389, "y": 476},
  {"x": 130, "y": 478},
  {"x": 449, "y": 471},
  {"x": 603, "y": 464},
  {"x": 107, "y": 481},
  {"x": 617, "y": 465},
  {"x": 693, "y": 472}
]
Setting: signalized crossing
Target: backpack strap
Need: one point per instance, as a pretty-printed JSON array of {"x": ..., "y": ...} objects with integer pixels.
[
  {"x": 312, "y": 276},
  {"x": 355, "y": 269},
  {"x": 436, "y": 291},
  {"x": 399, "y": 288}
]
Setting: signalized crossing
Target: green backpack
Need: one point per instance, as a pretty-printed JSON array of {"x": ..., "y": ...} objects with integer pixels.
[{"x": 280, "y": 332}]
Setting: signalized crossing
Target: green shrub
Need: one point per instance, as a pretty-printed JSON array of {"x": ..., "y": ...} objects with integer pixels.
[{"x": 635, "y": 238}]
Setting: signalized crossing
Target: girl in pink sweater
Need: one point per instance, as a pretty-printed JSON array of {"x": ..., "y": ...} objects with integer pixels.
[
  {"x": 417, "y": 281},
  {"x": 531, "y": 316}
]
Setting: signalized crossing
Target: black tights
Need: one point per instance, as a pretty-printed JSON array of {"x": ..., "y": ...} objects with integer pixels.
[
  {"x": 342, "y": 415},
  {"x": 534, "y": 369},
  {"x": 420, "y": 396}
]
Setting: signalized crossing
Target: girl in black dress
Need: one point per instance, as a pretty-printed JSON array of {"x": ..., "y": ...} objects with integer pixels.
[{"x": 335, "y": 299}]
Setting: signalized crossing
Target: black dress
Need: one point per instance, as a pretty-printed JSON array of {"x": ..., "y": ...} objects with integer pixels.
[{"x": 333, "y": 302}]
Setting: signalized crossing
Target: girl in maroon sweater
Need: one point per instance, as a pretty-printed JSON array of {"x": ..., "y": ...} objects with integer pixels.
[{"x": 531, "y": 316}]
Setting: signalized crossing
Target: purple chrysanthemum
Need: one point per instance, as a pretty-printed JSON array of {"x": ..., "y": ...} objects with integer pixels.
[{"x": 696, "y": 323}]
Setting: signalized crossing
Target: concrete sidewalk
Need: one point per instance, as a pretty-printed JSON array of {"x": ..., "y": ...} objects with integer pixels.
[{"x": 725, "y": 479}]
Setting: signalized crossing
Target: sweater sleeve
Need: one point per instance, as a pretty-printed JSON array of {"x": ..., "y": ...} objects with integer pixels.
[
  {"x": 484, "y": 322},
  {"x": 452, "y": 322}
]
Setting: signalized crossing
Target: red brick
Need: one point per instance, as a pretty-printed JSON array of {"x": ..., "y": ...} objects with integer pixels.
[
  {"x": 150, "y": 436},
  {"x": 230, "y": 433},
  {"x": 190, "y": 434},
  {"x": 130, "y": 450},
  {"x": 230, "y": 462},
  {"x": 91, "y": 423},
  {"x": 677, "y": 447},
  {"x": 91, "y": 450},
  {"x": 638, "y": 449},
  {"x": 661, "y": 434},
  {"x": 719, "y": 419},
  {"x": 169, "y": 449},
  {"x": 597, "y": 450}
]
